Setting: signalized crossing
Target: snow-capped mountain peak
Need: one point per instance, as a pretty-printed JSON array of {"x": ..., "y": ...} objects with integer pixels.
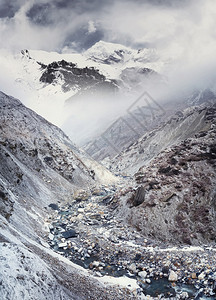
[
  {"x": 46, "y": 80},
  {"x": 111, "y": 53}
]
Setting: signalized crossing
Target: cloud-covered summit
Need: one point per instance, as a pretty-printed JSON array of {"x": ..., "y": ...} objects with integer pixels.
[{"x": 180, "y": 31}]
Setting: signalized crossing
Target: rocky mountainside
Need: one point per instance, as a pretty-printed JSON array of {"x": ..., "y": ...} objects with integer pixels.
[
  {"x": 70, "y": 77},
  {"x": 40, "y": 168},
  {"x": 173, "y": 128},
  {"x": 32, "y": 148},
  {"x": 147, "y": 128},
  {"x": 175, "y": 195},
  {"x": 71, "y": 230},
  {"x": 174, "y": 168}
]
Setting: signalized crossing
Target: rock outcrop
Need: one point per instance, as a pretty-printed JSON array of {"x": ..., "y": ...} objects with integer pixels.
[{"x": 71, "y": 76}]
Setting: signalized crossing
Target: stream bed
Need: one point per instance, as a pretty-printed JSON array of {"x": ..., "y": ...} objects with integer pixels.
[{"x": 89, "y": 233}]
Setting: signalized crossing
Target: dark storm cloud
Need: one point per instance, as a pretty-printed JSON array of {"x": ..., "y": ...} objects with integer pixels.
[
  {"x": 171, "y": 3},
  {"x": 40, "y": 14},
  {"x": 40, "y": 10},
  {"x": 66, "y": 22},
  {"x": 54, "y": 11},
  {"x": 45, "y": 13},
  {"x": 73, "y": 17},
  {"x": 8, "y": 8},
  {"x": 81, "y": 39}
]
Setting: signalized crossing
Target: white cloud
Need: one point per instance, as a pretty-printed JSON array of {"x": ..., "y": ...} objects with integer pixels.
[{"x": 91, "y": 27}]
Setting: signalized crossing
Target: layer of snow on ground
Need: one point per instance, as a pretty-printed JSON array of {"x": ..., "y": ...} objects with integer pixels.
[
  {"x": 184, "y": 249},
  {"x": 24, "y": 275},
  {"x": 123, "y": 281}
]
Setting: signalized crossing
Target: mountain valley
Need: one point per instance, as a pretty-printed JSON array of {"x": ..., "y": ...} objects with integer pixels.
[{"x": 112, "y": 234}]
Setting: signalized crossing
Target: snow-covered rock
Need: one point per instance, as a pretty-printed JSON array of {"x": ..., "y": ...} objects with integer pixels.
[{"x": 201, "y": 276}]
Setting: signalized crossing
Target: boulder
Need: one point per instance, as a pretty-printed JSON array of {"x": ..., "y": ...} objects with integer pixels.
[
  {"x": 139, "y": 196},
  {"x": 54, "y": 206},
  {"x": 69, "y": 234},
  {"x": 132, "y": 268},
  {"x": 142, "y": 274},
  {"x": 62, "y": 245},
  {"x": 81, "y": 195},
  {"x": 201, "y": 276},
  {"x": 173, "y": 276}
]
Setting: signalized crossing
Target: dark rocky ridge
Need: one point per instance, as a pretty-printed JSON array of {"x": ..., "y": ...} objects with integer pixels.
[{"x": 71, "y": 76}]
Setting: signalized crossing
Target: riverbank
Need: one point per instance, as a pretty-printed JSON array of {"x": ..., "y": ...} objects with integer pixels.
[{"x": 89, "y": 232}]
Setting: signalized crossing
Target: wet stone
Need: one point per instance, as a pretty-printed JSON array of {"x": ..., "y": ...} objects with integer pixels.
[
  {"x": 69, "y": 234},
  {"x": 54, "y": 206},
  {"x": 106, "y": 245}
]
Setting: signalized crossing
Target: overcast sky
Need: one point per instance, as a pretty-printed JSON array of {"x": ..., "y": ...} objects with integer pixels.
[{"x": 54, "y": 24}]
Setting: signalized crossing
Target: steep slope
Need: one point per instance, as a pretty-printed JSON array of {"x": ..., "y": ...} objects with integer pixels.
[
  {"x": 36, "y": 156},
  {"x": 147, "y": 128},
  {"x": 40, "y": 168},
  {"x": 183, "y": 124},
  {"x": 174, "y": 196}
]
